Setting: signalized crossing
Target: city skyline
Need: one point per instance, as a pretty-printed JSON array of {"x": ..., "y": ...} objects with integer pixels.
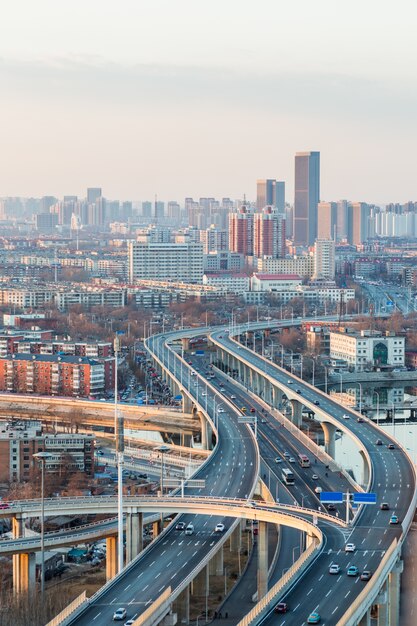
[{"x": 133, "y": 116}]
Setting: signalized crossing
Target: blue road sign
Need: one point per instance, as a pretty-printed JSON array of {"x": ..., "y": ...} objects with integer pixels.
[
  {"x": 364, "y": 498},
  {"x": 333, "y": 497}
]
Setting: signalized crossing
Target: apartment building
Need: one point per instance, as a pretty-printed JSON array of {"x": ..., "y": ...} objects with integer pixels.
[
  {"x": 367, "y": 349},
  {"x": 54, "y": 375},
  {"x": 166, "y": 261},
  {"x": 20, "y": 440},
  {"x": 303, "y": 266}
]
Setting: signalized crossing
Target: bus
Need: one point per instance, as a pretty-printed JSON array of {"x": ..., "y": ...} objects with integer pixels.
[
  {"x": 287, "y": 476},
  {"x": 303, "y": 460}
]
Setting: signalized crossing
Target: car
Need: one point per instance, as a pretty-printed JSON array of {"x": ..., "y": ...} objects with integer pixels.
[
  {"x": 119, "y": 614},
  {"x": 313, "y": 618},
  {"x": 394, "y": 520},
  {"x": 350, "y": 547},
  {"x": 190, "y": 529},
  {"x": 346, "y": 416},
  {"x": 252, "y": 410},
  {"x": 4, "y": 505},
  {"x": 222, "y": 389},
  {"x": 360, "y": 420},
  {"x": 352, "y": 571},
  {"x": 287, "y": 454},
  {"x": 289, "y": 382},
  {"x": 318, "y": 489},
  {"x": 366, "y": 575},
  {"x": 334, "y": 568},
  {"x": 220, "y": 336},
  {"x": 391, "y": 446},
  {"x": 281, "y": 607},
  {"x": 291, "y": 459},
  {"x": 378, "y": 442},
  {"x": 384, "y": 506},
  {"x": 315, "y": 477},
  {"x": 263, "y": 421},
  {"x": 220, "y": 409},
  {"x": 331, "y": 507},
  {"x": 180, "y": 526},
  {"x": 298, "y": 391},
  {"x": 219, "y": 528},
  {"x": 316, "y": 402},
  {"x": 278, "y": 460},
  {"x": 232, "y": 397}
]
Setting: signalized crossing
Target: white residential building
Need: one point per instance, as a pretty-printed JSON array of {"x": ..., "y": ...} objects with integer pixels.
[
  {"x": 302, "y": 265},
  {"x": 166, "y": 261},
  {"x": 229, "y": 283},
  {"x": 324, "y": 259},
  {"x": 367, "y": 349},
  {"x": 275, "y": 282}
]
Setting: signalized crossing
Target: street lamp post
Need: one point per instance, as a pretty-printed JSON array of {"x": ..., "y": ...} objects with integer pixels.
[
  {"x": 162, "y": 449},
  {"x": 41, "y": 457},
  {"x": 377, "y": 406},
  {"x": 341, "y": 382}
]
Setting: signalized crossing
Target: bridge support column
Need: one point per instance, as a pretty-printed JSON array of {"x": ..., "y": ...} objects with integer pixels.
[
  {"x": 187, "y": 404},
  {"x": 236, "y": 539},
  {"x": 365, "y": 468},
  {"x": 216, "y": 564},
  {"x": 382, "y": 602},
  {"x": 276, "y": 397},
  {"x": 181, "y": 606},
  {"x": 24, "y": 572},
  {"x": 156, "y": 528},
  {"x": 111, "y": 557},
  {"x": 134, "y": 535},
  {"x": 329, "y": 430},
  {"x": 262, "y": 559},
  {"x": 366, "y": 619},
  {"x": 394, "y": 594},
  {"x": 185, "y": 342},
  {"x": 200, "y": 584},
  {"x": 296, "y": 413}
]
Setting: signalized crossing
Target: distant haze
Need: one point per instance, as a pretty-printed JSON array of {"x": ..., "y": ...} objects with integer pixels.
[{"x": 202, "y": 98}]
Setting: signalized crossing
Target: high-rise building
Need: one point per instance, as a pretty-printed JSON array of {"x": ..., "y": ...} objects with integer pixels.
[
  {"x": 306, "y": 197},
  {"x": 324, "y": 258},
  {"x": 270, "y": 192},
  {"x": 46, "y": 203},
  {"x": 269, "y": 233},
  {"x": 327, "y": 220},
  {"x": 166, "y": 261},
  {"x": 241, "y": 231},
  {"x": 342, "y": 220},
  {"x": 147, "y": 209},
  {"x": 360, "y": 212},
  {"x": 93, "y": 194},
  {"x": 174, "y": 211},
  {"x": 214, "y": 239}
]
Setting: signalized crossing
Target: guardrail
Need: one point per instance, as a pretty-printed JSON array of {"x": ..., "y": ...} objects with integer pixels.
[
  {"x": 68, "y": 609},
  {"x": 299, "y": 567},
  {"x": 156, "y": 610}
]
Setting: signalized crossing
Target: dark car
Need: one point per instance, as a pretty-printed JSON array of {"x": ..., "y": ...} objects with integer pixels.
[
  {"x": 298, "y": 391},
  {"x": 180, "y": 526},
  {"x": 384, "y": 506},
  {"x": 331, "y": 507},
  {"x": 391, "y": 446},
  {"x": 316, "y": 402},
  {"x": 281, "y": 607},
  {"x": 366, "y": 575},
  {"x": 360, "y": 420},
  {"x": 252, "y": 410},
  {"x": 378, "y": 442}
]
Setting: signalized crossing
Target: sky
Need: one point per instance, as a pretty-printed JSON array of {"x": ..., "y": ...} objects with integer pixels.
[{"x": 195, "y": 98}]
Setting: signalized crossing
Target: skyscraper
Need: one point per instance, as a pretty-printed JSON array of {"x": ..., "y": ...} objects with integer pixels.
[
  {"x": 270, "y": 192},
  {"x": 324, "y": 258},
  {"x": 269, "y": 234},
  {"x": 306, "y": 197},
  {"x": 93, "y": 194},
  {"x": 327, "y": 220},
  {"x": 241, "y": 231},
  {"x": 360, "y": 212}
]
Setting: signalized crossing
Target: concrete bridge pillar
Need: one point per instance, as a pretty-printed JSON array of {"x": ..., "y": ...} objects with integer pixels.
[
  {"x": 216, "y": 564},
  {"x": 394, "y": 580},
  {"x": 181, "y": 606},
  {"x": 329, "y": 430},
  {"x": 111, "y": 557},
  {"x": 382, "y": 603},
  {"x": 235, "y": 539},
  {"x": 24, "y": 564},
  {"x": 134, "y": 535},
  {"x": 185, "y": 342},
  {"x": 296, "y": 412},
  {"x": 156, "y": 528},
  {"x": 262, "y": 559},
  {"x": 366, "y": 619},
  {"x": 365, "y": 468},
  {"x": 276, "y": 400},
  {"x": 200, "y": 584},
  {"x": 187, "y": 403}
]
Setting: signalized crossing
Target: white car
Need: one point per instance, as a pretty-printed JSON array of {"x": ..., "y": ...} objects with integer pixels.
[
  {"x": 232, "y": 397},
  {"x": 203, "y": 393},
  {"x": 350, "y": 547},
  {"x": 119, "y": 615},
  {"x": 346, "y": 416},
  {"x": 222, "y": 389},
  {"x": 220, "y": 409},
  {"x": 219, "y": 528},
  {"x": 318, "y": 489},
  {"x": 291, "y": 459},
  {"x": 334, "y": 568},
  {"x": 315, "y": 477},
  {"x": 190, "y": 529},
  {"x": 289, "y": 382},
  {"x": 278, "y": 460}
]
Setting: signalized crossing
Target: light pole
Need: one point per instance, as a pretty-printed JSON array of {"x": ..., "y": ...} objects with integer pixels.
[
  {"x": 41, "y": 457},
  {"x": 119, "y": 440},
  {"x": 325, "y": 380},
  {"x": 360, "y": 397},
  {"x": 341, "y": 382},
  {"x": 162, "y": 449},
  {"x": 377, "y": 406}
]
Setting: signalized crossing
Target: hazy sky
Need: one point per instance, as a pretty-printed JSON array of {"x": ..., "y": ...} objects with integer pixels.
[{"x": 185, "y": 97}]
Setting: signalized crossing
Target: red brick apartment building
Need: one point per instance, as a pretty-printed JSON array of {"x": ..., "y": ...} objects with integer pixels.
[
  {"x": 55, "y": 375},
  {"x": 19, "y": 441}
]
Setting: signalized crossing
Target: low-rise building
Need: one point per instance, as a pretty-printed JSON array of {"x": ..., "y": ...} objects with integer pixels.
[
  {"x": 19, "y": 441},
  {"x": 367, "y": 349},
  {"x": 275, "y": 282},
  {"x": 228, "y": 282}
]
